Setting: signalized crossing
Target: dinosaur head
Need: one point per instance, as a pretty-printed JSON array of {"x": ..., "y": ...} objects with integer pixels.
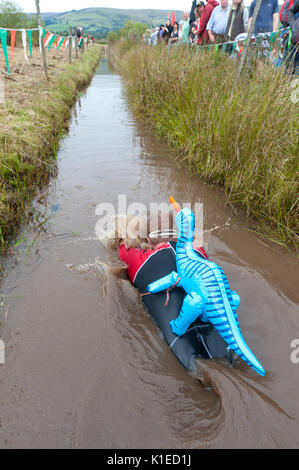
[{"x": 185, "y": 221}]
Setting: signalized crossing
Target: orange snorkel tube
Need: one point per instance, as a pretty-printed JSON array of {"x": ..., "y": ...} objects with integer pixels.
[{"x": 174, "y": 204}]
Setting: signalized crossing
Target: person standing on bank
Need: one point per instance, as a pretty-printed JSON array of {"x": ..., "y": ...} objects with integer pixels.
[
  {"x": 293, "y": 21},
  {"x": 202, "y": 35},
  {"x": 184, "y": 39},
  {"x": 237, "y": 20},
  {"x": 168, "y": 29},
  {"x": 268, "y": 17},
  {"x": 216, "y": 26},
  {"x": 79, "y": 31}
]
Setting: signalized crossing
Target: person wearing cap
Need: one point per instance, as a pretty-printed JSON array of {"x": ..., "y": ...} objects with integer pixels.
[
  {"x": 199, "y": 9},
  {"x": 196, "y": 11},
  {"x": 196, "y": 25},
  {"x": 216, "y": 26},
  {"x": 202, "y": 34}
]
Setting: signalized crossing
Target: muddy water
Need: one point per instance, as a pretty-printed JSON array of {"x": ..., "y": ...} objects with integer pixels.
[{"x": 85, "y": 365}]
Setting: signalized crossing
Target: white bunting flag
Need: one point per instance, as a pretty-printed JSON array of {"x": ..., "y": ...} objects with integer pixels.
[
  {"x": 40, "y": 38},
  {"x": 24, "y": 41}
]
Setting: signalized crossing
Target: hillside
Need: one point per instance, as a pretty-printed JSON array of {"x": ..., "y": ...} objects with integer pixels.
[{"x": 99, "y": 21}]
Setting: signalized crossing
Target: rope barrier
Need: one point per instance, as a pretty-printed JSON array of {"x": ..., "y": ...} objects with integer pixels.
[
  {"x": 256, "y": 36},
  {"x": 46, "y": 37},
  {"x": 22, "y": 29}
]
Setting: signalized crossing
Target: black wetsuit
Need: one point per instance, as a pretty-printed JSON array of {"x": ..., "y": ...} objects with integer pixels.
[{"x": 201, "y": 339}]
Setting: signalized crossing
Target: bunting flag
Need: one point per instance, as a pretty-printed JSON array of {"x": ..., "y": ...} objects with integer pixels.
[
  {"x": 12, "y": 42},
  {"x": 290, "y": 37},
  {"x": 273, "y": 36},
  {"x": 64, "y": 44},
  {"x": 48, "y": 39},
  {"x": 51, "y": 42},
  {"x": 57, "y": 42},
  {"x": 173, "y": 17},
  {"x": 40, "y": 39},
  {"x": 24, "y": 41},
  {"x": 30, "y": 41},
  {"x": 168, "y": 17},
  {"x": 3, "y": 35},
  {"x": 44, "y": 32},
  {"x": 61, "y": 40}
]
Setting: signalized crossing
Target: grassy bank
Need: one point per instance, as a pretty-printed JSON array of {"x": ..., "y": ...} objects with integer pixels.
[
  {"x": 246, "y": 141},
  {"x": 33, "y": 118}
]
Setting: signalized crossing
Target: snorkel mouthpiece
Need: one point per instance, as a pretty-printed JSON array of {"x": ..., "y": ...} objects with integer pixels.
[{"x": 174, "y": 204}]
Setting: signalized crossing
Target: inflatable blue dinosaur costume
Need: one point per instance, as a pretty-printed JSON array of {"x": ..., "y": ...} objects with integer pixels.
[{"x": 209, "y": 296}]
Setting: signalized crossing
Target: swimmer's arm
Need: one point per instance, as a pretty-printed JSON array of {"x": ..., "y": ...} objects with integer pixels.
[{"x": 164, "y": 283}]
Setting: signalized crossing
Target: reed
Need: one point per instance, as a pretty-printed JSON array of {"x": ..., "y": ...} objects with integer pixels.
[{"x": 244, "y": 138}]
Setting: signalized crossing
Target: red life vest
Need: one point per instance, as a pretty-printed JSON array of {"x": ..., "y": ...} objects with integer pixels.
[{"x": 136, "y": 259}]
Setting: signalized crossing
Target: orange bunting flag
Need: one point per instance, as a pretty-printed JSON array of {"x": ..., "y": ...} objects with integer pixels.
[
  {"x": 12, "y": 41},
  {"x": 173, "y": 17}
]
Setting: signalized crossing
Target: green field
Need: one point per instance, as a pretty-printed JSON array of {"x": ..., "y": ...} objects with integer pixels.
[{"x": 99, "y": 21}]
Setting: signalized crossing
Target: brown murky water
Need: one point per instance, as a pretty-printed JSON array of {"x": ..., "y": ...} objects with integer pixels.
[{"x": 85, "y": 365}]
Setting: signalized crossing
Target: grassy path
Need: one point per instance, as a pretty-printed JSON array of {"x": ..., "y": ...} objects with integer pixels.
[{"x": 34, "y": 116}]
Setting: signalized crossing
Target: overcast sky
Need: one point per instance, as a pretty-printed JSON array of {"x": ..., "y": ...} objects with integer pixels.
[{"x": 66, "y": 5}]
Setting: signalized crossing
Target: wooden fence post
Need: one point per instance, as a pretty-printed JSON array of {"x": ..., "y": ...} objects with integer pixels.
[
  {"x": 83, "y": 45},
  {"x": 76, "y": 44},
  {"x": 39, "y": 22},
  {"x": 247, "y": 45},
  {"x": 70, "y": 44}
]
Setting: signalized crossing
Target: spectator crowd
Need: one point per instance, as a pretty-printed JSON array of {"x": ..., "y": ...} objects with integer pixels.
[{"x": 228, "y": 24}]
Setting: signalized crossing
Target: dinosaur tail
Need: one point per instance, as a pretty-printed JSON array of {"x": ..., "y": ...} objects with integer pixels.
[{"x": 227, "y": 325}]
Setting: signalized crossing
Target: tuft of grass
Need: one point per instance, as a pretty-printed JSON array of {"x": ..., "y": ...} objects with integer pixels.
[
  {"x": 32, "y": 120},
  {"x": 244, "y": 138}
]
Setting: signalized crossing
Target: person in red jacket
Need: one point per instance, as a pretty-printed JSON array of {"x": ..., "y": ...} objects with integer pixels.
[
  {"x": 148, "y": 258},
  {"x": 201, "y": 32},
  {"x": 137, "y": 258},
  {"x": 136, "y": 251}
]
